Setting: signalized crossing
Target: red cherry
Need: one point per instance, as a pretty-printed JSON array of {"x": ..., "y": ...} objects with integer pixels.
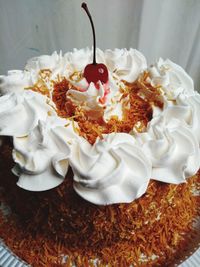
[{"x": 96, "y": 71}]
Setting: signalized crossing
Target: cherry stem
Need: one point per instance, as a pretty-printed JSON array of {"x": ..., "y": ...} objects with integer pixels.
[{"x": 84, "y": 6}]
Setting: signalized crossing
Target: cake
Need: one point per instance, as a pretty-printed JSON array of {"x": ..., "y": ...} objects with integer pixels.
[{"x": 105, "y": 172}]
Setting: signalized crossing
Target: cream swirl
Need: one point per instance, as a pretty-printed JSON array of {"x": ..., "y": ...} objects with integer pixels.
[
  {"x": 56, "y": 63},
  {"x": 180, "y": 99},
  {"x": 172, "y": 148},
  {"x": 90, "y": 96},
  {"x": 171, "y": 77},
  {"x": 99, "y": 98},
  {"x": 20, "y": 113},
  {"x": 42, "y": 156},
  {"x": 44, "y": 62},
  {"x": 188, "y": 110},
  {"x": 15, "y": 81},
  {"x": 126, "y": 64},
  {"x": 113, "y": 170}
]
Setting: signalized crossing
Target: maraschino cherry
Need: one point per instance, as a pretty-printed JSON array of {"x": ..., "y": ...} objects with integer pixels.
[{"x": 94, "y": 72}]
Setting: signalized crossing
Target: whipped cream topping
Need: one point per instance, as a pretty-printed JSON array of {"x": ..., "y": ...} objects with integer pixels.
[
  {"x": 90, "y": 97},
  {"x": 20, "y": 112},
  {"x": 187, "y": 111},
  {"x": 113, "y": 170},
  {"x": 118, "y": 167},
  {"x": 172, "y": 148},
  {"x": 171, "y": 77},
  {"x": 15, "y": 81},
  {"x": 172, "y": 138},
  {"x": 100, "y": 98},
  {"x": 42, "y": 156},
  {"x": 126, "y": 64},
  {"x": 55, "y": 62}
]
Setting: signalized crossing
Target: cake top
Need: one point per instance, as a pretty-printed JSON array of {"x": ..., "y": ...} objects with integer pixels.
[{"x": 140, "y": 124}]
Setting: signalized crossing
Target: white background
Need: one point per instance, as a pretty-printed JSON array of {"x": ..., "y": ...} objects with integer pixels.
[{"x": 158, "y": 28}]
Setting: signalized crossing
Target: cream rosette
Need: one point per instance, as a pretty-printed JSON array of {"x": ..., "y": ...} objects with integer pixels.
[
  {"x": 180, "y": 99},
  {"x": 101, "y": 101},
  {"x": 20, "y": 112},
  {"x": 52, "y": 62},
  {"x": 15, "y": 81},
  {"x": 20, "y": 109},
  {"x": 113, "y": 170},
  {"x": 187, "y": 109},
  {"x": 90, "y": 97},
  {"x": 42, "y": 156},
  {"x": 171, "y": 77},
  {"x": 125, "y": 64},
  {"x": 172, "y": 147}
]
